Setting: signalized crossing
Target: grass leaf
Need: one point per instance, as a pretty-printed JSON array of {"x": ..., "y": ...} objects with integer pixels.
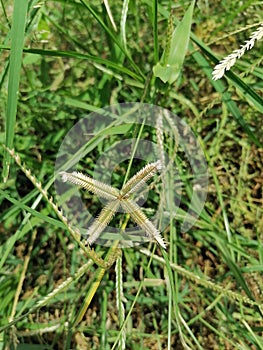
[
  {"x": 17, "y": 44},
  {"x": 170, "y": 65}
]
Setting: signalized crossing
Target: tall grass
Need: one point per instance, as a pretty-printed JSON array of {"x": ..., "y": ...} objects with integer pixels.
[{"x": 67, "y": 59}]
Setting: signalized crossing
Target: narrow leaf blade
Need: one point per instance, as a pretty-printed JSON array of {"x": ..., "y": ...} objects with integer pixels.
[{"x": 17, "y": 43}]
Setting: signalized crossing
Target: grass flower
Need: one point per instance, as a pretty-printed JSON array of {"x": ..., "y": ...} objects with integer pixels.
[
  {"x": 117, "y": 198},
  {"x": 229, "y": 61}
]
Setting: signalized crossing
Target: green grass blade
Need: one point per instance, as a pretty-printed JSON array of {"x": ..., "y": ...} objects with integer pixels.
[
  {"x": 123, "y": 23},
  {"x": 113, "y": 37},
  {"x": 78, "y": 55},
  {"x": 155, "y": 30},
  {"x": 39, "y": 215},
  {"x": 170, "y": 65},
  {"x": 17, "y": 43}
]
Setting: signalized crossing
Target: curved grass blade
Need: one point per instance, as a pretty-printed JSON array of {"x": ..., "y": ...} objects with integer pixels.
[
  {"x": 78, "y": 55},
  {"x": 107, "y": 6},
  {"x": 38, "y": 214},
  {"x": 124, "y": 13},
  {"x": 113, "y": 37}
]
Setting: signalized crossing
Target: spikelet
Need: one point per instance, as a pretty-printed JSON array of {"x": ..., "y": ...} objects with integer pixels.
[
  {"x": 102, "y": 221},
  {"x": 141, "y": 219},
  {"x": 140, "y": 178},
  {"x": 94, "y": 186},
  {"x": 230, "y": 60}
]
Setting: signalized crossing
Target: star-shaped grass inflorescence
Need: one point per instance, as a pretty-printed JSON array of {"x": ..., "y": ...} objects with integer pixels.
[{"x": 118, "y": 198}]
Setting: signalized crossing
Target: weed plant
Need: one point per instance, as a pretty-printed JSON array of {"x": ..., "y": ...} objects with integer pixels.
[{"x": 61, "y": 60}]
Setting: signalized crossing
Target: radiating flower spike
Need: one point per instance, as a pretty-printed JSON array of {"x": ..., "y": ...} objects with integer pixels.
[
  {"x": 102, "y": 221},
  {"x": 140, "y": 178},
  {"x": 94, "y": 186},
  {"x": 141, "y": 219},
  {"x": 116, "y": 199}
]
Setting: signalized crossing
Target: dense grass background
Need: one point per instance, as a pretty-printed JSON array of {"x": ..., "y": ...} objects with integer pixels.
[{"x": 206, "y": 292}]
